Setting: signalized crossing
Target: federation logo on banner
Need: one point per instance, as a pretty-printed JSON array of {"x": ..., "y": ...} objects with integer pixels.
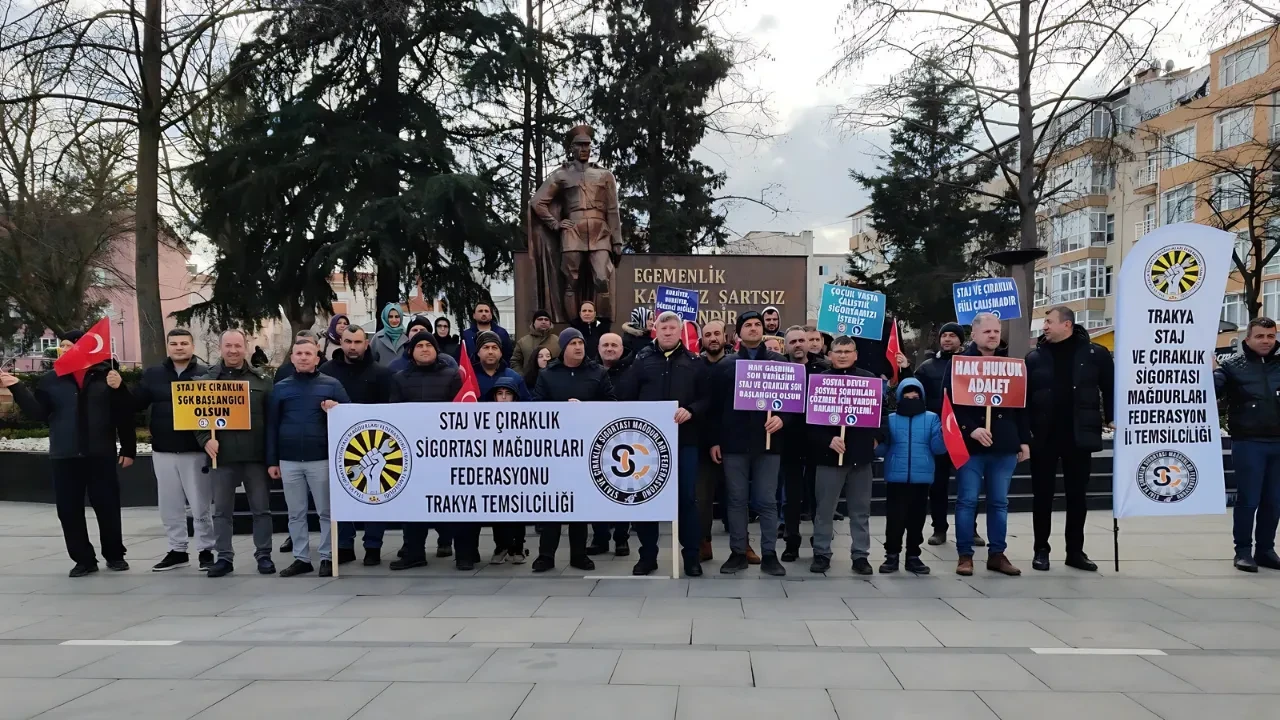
[
  {"x": 630, "y": 461},
  {"x": 372, "y": 463},
  {"x": 1167, "y": 476},
  {"x": 1174, "y": 272}
]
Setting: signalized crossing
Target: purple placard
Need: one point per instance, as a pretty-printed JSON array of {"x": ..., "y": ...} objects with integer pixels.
[
  {"x": 850, "y": 400},
  {"x": 768, "y": 385}
]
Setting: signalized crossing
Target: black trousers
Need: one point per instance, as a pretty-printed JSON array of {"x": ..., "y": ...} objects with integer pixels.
[
  {"x": 906, "y": 505},
  {"x": 72, "y": 479},
  {"x": 549, "y": 540},
  {"x": 466, "y": 540},
  {"x": 1075, "y": 483},
  {"x": 415, "y": 536},
  {"x": 939, "y": 493},
  {"x": 601, "y": 532},
  {"x": 508, "y": 537},
  {"x": 798, "y": 476}
]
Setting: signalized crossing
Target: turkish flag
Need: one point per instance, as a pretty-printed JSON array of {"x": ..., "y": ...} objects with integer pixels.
[
  {"x": 951, "y": 435},
  {"x": 690, "y": 338},
  {"x": 892, "y": 350},
  {"x": 470, "y": 391},
  {"x": 93, "y": 348}
]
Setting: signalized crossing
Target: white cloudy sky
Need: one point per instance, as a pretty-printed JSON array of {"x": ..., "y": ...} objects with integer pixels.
[{"x": 809, "y": 161}]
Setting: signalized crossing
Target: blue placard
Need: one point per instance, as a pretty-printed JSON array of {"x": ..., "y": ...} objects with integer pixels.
[
  {"x": 998, "y": 296},
  {"x": 850, "y": 311},
  {"x": 678, "y": 300}
]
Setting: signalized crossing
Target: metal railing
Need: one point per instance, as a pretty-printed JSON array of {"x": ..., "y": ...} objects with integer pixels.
[{"x": 1142, "y": 227}]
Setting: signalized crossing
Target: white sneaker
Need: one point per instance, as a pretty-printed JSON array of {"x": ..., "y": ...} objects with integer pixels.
[
  {"x": 499, "y": 557},
  {"x": 519, "y": 558}
]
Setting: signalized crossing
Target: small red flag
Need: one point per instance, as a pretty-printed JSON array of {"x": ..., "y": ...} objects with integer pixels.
[
  {"x": 470, "y": 391},
  {"x": 93, "y": 348},
  {"x": 690, "y": 338},
  {"x": 893, "y": 350},
  {"x": 951, "y": 435}
]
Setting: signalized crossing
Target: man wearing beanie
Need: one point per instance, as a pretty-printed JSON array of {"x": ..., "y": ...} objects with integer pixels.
[
  {"x": 539, "y": 336},
  {"x": 750, "y": 470},
  {"x": 489, "y": 366},
  {"x": 570, "y": 379},
  {"x": 933, "y": 373}
]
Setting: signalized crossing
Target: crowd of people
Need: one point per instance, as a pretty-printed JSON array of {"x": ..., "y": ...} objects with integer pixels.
[{"x": 771, "y": 467}]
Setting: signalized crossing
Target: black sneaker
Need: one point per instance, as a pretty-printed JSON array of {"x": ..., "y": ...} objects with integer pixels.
[
  {"x": 346, "y": 555},
  {"x": 326, "y": 568},
  {"x": 939, "y": 537},
  {"x": 1267, "y": 559},
  {"x": 443, "y": 551},
  {"x": 206, "y": 559},
  {"x": 544, "y": 563},
  {"x": 644, "y": 567},
  {"x": 297, "y": 567},
  {"x": 792, "y": 552},
  {"x": 408, "y": 562},
  {"x": 117, "y": 565},
  {"x": 82, "y": 569},
  {"x": 692, "y": 568},
  {"x": 890, "y": 564},
  {"x": 736, "y": 563},
  {"x": 820, "y": 564},
  {"x": 465, "y": 564},
  {"x": 915, "y": 565},
  {"x": 172, "y": 561},
  {"x": 220, "y": 568},
  {"x": 596, "y": 548},
  {"x": 1040, "y": 561},
  {"x": 1080, "y": 561},
  {"x": 1242, "y": 562},
  {"x": 978, "y": 540},
  {"x": 372, "y": 557},
  {"x": 862, "y": 567},
  {"x": 622, "y": 550},
  {"x": 266, "y": 566},
  {"x": 287, "y": 545},
  {"x": 582, "y": 563},
  {"x": 769, "y": 565}
]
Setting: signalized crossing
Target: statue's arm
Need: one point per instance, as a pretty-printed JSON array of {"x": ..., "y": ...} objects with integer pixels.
[
  {"x": 615, "y": 216},
  {"x": 542, "y": 201}
]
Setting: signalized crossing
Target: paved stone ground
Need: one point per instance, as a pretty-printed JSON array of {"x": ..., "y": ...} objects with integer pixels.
[{"x": 1176, "y": 634}]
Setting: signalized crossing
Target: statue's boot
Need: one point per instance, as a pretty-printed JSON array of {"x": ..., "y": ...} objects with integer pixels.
[
  {"x": 604, "y": 305},
  {"x": 571, "y": 304}
]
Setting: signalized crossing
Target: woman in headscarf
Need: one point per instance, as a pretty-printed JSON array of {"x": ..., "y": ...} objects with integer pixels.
[
  {"x": 448, "y": 342},
  {"x": 639, "y": 331},
  {"x": 338, "y": 324},
  {"x": 386, "y": 342}
]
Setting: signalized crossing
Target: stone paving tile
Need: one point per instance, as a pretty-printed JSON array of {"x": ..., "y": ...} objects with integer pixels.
[
  {"x": 47, "y": 661},
  {"x": 291, "y": 629},
  {"x": 364, "y": 585},
  {"x": 491, "y": 606},
  {"x": 721, "y": 631},
  {"x": 456, "y": 586},
  {"x": 72, "y": 628},
  {"x": 1224, "y": 673},
  {"x": 1100, "y": 673},
  {"x": 1225, "y": 635},
  {"x": 588, "y": 607},
  {"x": 618, "y": 702},
  {"x": 835, "y": 633},
  {"x": 1219, "y": 588},
  {"x": 522, "y": 629},
  {"x": 404, "y": 630},
  {"x": 308, "y": 699},
  {"x": 1064, "y": 706},
  {"x": 975, "y": 671},
  {"x": 737, "y": 588},
  {"x": 902, "y": 609},
  {"x": 683, "y": 667},
  {"x": 1136, "y": 609},
  {"x": 285, "y": 663},
  {"x": 28, "y": 697},
  {"x": 925, "y": 587},
  {"x": 144, "y": 700},
  {"x": 641, "y": 588},
  {"x": 836, "y": 587},
  {"x": 446, "y": 701},
  {"x": 417, "y": 664},
  {"x": 183, "y": 628},
  {"x": 657, "y": 631},
  {"x": 700, "y": 703},
  {"x": 1223, "y": 609},
  {"x": 691, "y": 607},
  {"x": 554, "y": 587},
  {"x": 796, "y": 608},
  {"x": 394, "y": 606},
  {"x": 176, "y": 662},
  {"x": 1198, "y": 707},
  {"x": 555, "y": 666},
  {"x": 895, "y": 633},
  {"x": 909, "y": 705},
  {"x": 287, "y": 606},
  {"x": 982, "y": 633},
  {"x": 1112, "y": 634},
  {"x": 821, "y": 670},
  {"x": 166, "y": 584},
  {"x": 266, "y": 584},
  {"x": 1007, "y": 609}
]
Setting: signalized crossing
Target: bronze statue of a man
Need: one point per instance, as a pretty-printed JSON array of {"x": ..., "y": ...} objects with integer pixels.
[{"x": 577, "y": 208}]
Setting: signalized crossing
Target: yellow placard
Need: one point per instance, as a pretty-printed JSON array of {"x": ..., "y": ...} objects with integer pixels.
[{"x": 211, "y": 405}]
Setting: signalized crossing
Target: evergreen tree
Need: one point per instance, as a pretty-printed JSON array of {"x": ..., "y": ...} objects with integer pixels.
[
  {"x": 930, "y": 225},
  {"x": 649, "y": 80},
  {"x": 360, "y": 151}
]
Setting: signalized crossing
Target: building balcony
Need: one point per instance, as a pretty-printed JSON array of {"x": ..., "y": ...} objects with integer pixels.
[
  {"x": 1148, "y": 177},
  {"x": 1142, "y": 227}
]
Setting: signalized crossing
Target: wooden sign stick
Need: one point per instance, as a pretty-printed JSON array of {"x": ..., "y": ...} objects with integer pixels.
[
  {"x": 767, "y": 437},
  {"x": 213, "y": 435},
  {"x": 988, "y": 418},
  {"x": 840, "y": 461}
]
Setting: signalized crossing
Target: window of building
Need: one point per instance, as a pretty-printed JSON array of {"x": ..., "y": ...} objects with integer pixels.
[
  {"x": 1233, "y": 310},
  {"x": 860, "y": 224},
  {"x": 1244, "y": 249},
  {"x": 1070, "y": 281},
  {"x": 1271, "y": 298},
  {"x": 822, "y": 271},
  {"x": 1178, "y": 204},
  {"x": 1111, "y": 229},
  {"x": 1233, "y": 127},
  {"x": 1040, "y": 297},
  {"x": 1180, "y": 147},
  {"x": 1092, "y": 319},
  {"x": 1229, "y": 192},
  {"x": 1097, "y": 227},
  {"x": 47, "y": 343},
  {"x": 1099, "y": 278},
  {"x": 1243, "y": 64},
  {"x": 1076, "y": 230}
]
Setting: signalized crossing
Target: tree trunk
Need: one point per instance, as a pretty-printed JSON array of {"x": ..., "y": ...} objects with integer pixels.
[
  {"x": 538, "y": 114},
  {"x": 147, "y": 211},
  {"x": 1018, "y": 336},
  {"x": 387, "y": 180},
  {"x": 526, "y": 190}
]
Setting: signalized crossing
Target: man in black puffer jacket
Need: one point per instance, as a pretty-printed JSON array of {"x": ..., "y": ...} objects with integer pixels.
[
  {"x": 1070, "y": 384},
  {"x": 1250, "y": 383},
  {"x": 572, "y": 378},
  {"x": 665, "y": 370},
  {"x": 933, "y": 374},
  {"x": 799, "y": 470},
  {"x": 85, "y": 420},
  {"x": 177, "y": 459},
  {"x": 430, "y": 380},
  {"x": 615, "y": 361}
]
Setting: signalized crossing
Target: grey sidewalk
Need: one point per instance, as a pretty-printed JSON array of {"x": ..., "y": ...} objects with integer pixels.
[{"x": 1184, "y": 636}]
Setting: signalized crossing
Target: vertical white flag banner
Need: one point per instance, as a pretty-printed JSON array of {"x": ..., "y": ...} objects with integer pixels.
[{"x": 1168, "y": 453}]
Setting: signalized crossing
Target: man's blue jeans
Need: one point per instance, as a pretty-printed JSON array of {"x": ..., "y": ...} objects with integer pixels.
[
  {"x": 1257, "y": 472},
  {"x": 996, "y": 472},
  {"x": 690, "y": 527},
  {"x": 373, "y": 532}
]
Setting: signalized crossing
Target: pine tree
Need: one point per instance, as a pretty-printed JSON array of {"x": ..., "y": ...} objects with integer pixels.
[{"x": 931, "y": 227}]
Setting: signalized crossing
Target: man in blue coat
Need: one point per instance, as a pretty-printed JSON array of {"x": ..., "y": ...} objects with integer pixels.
[
  {"x": 298, "y": 450},
  {"x": 481, "y": 320}
]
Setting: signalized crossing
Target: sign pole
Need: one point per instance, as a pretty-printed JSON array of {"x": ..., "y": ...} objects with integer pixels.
[
  {"x": 988, "y": 418},
  {"x": 840, "y": 461},
  {"x": 767, "y": 437},
  {"x": 333, "y": 541},
  {"x": 1115, "y": 539},
  {"x": 213, "y": 435},
  {"x": 675, "y": 547}
]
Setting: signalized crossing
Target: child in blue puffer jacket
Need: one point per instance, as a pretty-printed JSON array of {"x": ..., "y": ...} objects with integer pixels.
[{"x": 912, "y": 438}]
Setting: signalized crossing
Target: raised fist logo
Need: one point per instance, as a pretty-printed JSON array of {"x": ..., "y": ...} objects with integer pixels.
[{"x": 370, "y": 467}]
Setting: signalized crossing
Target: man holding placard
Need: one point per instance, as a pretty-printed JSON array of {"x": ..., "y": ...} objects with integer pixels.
[{"x": 990, "y": 392}]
